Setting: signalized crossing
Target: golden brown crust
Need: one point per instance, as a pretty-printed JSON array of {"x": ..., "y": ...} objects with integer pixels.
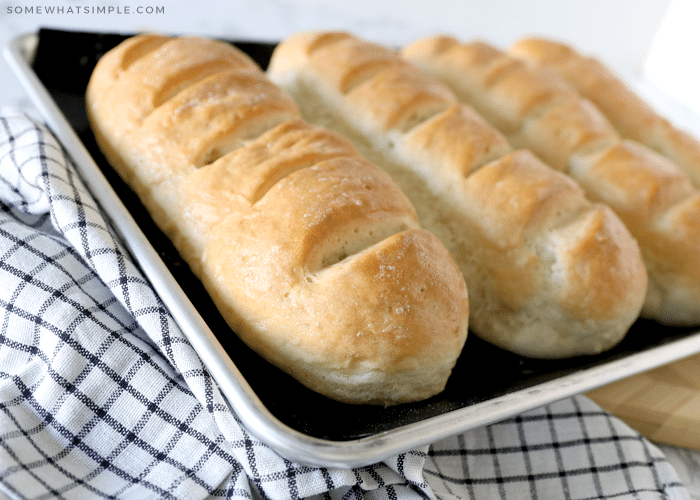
[
  {"x": 514, "y": 91},
  {"x": 536, "y": 254},
  {"x": 457, "y": 140},
  {"x": 658, "y": 203},
  {"x": 218, "y": 114},
  {"x": 627, "y": 111},
  {"x": 407, "y": 100},
  {"x": 563, "y": 131},
  {"x": 311, "y": 253},
  {"x": 573, "y": 135},
  {"x": 359, "y": 62}
]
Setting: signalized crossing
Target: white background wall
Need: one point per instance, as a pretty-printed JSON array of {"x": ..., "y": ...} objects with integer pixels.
[{"x": 620, "y": 31}]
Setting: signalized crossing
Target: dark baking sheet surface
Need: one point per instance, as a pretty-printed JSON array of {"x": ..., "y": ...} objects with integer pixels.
[{"x": 64, "y": 61}]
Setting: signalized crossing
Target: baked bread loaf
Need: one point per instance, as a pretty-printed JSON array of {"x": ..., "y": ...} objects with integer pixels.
[
  {"x": 311, "y": 253},
  {"x": 537, "y": 110},
  {"x": 631, "y": 115},
  {"x": 549, "y": 273}
]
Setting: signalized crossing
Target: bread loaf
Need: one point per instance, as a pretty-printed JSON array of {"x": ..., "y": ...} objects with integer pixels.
[
  {"x": 633, "y": 117},
  {"x": 537, "y": 110},
  {"x": 549, "y": 273},
  {"x": 311, "y": 253}
]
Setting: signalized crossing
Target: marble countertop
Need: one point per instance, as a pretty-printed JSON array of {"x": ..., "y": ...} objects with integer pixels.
[{"x": 623, "y": 44}]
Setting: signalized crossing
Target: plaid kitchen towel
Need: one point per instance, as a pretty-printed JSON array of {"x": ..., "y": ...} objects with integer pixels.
[{"x": 102, "y": 396}]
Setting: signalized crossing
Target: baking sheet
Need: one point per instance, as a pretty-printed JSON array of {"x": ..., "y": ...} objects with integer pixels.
[{"x": 487, "y": 385}]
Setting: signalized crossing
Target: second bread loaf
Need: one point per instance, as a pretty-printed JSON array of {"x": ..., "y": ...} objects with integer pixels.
[{"x": 550, "y": 274}]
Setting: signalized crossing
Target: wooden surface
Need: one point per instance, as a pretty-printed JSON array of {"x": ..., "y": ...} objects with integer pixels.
[{"x": 661, "y": 404}]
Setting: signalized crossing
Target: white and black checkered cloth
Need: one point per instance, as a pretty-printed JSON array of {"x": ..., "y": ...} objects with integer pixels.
[{"x": 101, "y": 395}]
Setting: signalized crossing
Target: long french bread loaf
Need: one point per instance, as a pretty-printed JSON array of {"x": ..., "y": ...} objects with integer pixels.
[
  {"x": 537, "y": 110},
  {"x": 549, "y": 273},
  {"x": 631, "y": 115},
  {"x": 311, "y": 253}
]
